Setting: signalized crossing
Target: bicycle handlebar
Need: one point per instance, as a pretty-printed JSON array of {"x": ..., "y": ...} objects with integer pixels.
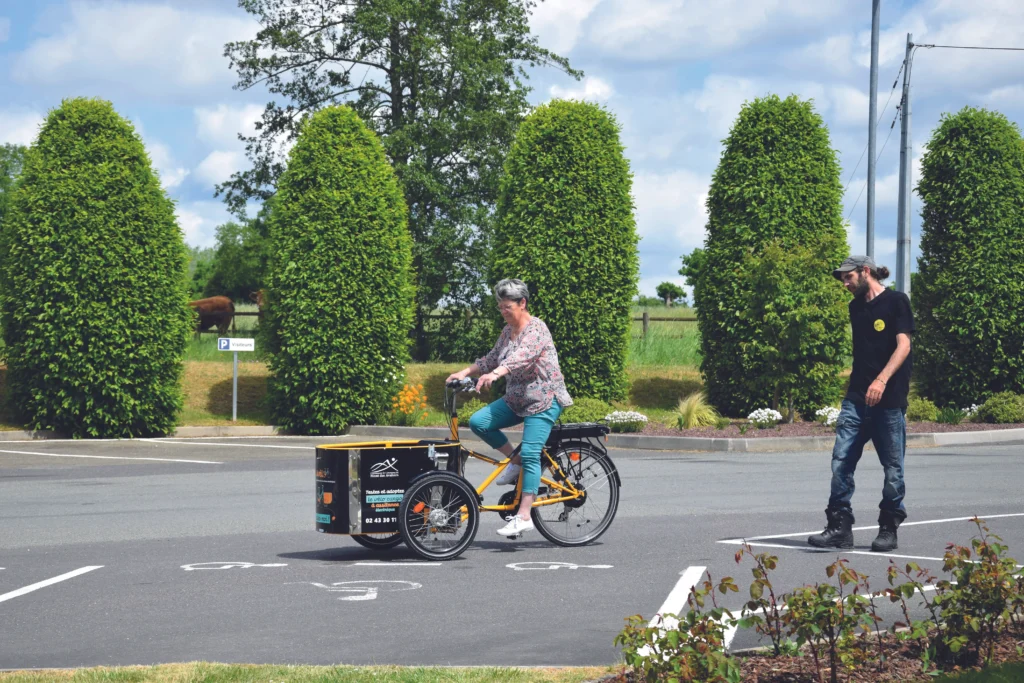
[{"x": 464, "y": 384}]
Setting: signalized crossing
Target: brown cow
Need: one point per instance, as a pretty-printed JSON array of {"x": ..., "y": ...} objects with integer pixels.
[
  {"x": 259, "y": 298},
  {"x": 215, "y": 311}
]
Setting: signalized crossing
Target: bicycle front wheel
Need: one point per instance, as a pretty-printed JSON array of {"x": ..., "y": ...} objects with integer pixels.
[
  {"x": 583, "y": 519},
  {"x": 439, "y": 515}
]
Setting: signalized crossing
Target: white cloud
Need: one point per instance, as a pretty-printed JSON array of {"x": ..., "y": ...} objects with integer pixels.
[
  {"x": 849, "y": 106},
  {"x": 171, "y": 175},
  {"x": 559, "y": 23},
  {"x": 19, "y": 126},
  {"x": 219, "y": 166},
  {"x": 885, "y": 247},
  {"x": 721, "y": 99},
  {"x": 220, "y": 126},
  {"x": 659, "y": 29},
  {"x": 154, "y": 50},
  {"x": 592, "y": 88},
  {"x": 199, "y": 221},
  {"x": 670, "y": 209},
  {"x": 5, "y": 29}
]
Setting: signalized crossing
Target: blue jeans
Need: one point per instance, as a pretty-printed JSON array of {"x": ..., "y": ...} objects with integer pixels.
[
  {"x": 487, "y": 422},
  {"x": 887, "y": 429}
]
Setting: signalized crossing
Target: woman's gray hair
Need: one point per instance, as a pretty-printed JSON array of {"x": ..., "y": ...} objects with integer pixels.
[{"x": 511, "y": 290}]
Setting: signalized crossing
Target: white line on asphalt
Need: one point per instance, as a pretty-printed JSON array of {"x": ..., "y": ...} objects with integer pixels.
[
  {"x": 676, "y": 600},
  {"x": 398, "y": 564},
  {"x": 48, "y": 582},
  {"x": 865, "y": 528},
  {"x": 111, "y": 457},
  {"x": 820, "y": 551},
  {"x": 233, "y": 445}
]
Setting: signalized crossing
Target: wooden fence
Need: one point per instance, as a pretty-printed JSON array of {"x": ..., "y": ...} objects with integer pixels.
[{"x": 646, "y": 319}]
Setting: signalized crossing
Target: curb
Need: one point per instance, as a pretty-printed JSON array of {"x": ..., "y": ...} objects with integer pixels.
[
  {"x": 762, "y": 445},
  {"x": 623, "y": 441}
]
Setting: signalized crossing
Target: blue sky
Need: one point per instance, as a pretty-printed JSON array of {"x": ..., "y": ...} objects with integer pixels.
[{"x": 675, "y": 73}]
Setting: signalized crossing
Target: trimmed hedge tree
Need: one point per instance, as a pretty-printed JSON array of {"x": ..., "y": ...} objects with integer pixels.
[
  {"x": 340, "y": 280},
  {"x": 565, "y": 227},
  {"x": 94, "y": 296},
  {"x": 968, "y": 297},
  {"x": 777, "y": 182}
]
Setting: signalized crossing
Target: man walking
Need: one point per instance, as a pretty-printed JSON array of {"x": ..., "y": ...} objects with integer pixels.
[{"x": 875, "y": 405}]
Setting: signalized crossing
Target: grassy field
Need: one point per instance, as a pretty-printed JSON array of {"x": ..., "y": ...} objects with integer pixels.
[{"x": 203, "y": 672}]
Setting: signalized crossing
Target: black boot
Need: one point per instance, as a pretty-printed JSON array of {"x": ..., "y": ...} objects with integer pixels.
[
  {"x": 838, "y": 532},
  {"x": 888, "y": 522}
]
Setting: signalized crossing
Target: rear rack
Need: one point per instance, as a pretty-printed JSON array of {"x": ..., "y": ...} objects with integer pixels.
[{"x": 578, "y": 431}]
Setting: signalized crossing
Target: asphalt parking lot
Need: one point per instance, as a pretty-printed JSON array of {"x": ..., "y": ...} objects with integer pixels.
[{"x": 143, "y": 552}]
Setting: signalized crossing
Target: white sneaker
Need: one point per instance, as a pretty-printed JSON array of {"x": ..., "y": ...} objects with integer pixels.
[
  {"x": 509, "y": 475},
  {"x": 516, "y": 526}
]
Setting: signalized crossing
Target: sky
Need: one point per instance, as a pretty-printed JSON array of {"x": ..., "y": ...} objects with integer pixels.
[{"x": 674, "y": 72}]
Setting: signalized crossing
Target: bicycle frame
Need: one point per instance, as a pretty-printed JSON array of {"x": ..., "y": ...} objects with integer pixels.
[{"x": 564, "y": 492}]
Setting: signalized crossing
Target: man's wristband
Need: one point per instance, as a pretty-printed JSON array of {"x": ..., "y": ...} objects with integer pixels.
[{"x": 882, "y": 381}]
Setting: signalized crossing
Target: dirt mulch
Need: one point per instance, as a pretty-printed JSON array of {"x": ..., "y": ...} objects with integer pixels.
[
  {"x": 808, "y": 429},
  {"x": 902, "y": 664}
]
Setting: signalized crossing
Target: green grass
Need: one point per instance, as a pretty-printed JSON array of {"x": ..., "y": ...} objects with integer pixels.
[
  {"x": 1006, "y": 673},
  {"x": 197, "y": 672}
]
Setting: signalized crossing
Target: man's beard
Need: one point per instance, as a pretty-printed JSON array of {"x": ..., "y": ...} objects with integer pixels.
[{"x": 861, "y": 289}]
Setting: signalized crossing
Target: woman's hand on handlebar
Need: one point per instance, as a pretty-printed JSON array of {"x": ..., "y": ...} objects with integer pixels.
[
  {"x": 486, "y": 381},
  {"x": 456, "y": 377}
]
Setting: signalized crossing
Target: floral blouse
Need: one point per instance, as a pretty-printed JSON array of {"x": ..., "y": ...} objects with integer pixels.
[{"x": 534, "y": 378}]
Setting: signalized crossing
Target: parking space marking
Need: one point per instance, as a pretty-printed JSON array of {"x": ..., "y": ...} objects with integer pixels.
[
  {"x": 865, "y": 528},
  {"x": 676, "y": 600},
  {"x": 48, "y": 582},
  {"x": 232, "y": 445},
  {"x": 111, "y": 457}
]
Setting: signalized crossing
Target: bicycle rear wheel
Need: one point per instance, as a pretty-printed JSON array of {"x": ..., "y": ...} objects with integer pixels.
[
  {"x": 583, "y": 520},
  {"x": 439, "y": 515}
]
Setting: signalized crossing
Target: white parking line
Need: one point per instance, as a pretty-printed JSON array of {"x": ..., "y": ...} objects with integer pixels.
[
  {"x": 233, "y": 445},
  {"x": 865, "y": 528},
  {"x": 48, "y": 582},
  {"x": 111, "y": 457},
  {"x": 676, "y": 600}
]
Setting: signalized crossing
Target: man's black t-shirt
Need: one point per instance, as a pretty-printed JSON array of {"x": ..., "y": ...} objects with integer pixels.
[{"x": 875, "y": 326}]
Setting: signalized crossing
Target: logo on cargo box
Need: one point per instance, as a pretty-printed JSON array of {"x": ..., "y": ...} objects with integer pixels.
[{"x": 385, "y": 468}]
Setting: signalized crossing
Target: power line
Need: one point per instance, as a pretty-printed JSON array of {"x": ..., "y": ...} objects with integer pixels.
[
  {"x": 971, "y": 47},
  {"x": 864, "y": 151},
  {"x": 892, "y": 126}
]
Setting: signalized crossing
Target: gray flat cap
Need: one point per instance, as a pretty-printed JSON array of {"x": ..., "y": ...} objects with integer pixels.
[{"x": 853, "y": 263}]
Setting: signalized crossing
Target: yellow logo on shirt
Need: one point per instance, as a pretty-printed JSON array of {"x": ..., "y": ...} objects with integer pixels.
[{"x": 879, "y": 325}]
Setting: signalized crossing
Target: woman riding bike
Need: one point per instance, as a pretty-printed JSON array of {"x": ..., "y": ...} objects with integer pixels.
[{"x": 535, "y": 394}]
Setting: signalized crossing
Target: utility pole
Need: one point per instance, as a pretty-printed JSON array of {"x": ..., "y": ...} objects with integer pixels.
[
  {"x": 872, "y": 115},
  {"x": 903, "y": 219}
]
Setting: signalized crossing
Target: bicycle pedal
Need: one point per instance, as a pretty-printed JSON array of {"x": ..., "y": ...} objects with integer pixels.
[{"x": 514, "y": 538}]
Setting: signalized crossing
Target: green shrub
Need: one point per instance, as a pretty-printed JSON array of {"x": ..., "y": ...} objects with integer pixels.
[
  {"x": 968, "y": 298},
  {"x": 340, "y": 281},
  {"x": 951, "y": 415},
  {"x": 777, "y": 181},
  {"x": 93, "y": 281},
  {"x": 921, "y": 410},
  {"x": 565, "y": 226},
  {"x": 1003, "y": 408},
  {"x": 467, "y": 409},
  {"x": 586, "y": 410}
]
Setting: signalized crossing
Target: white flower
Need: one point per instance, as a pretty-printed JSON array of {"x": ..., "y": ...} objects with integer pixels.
[
  {"x": 625, "y": 416},
  {"x": 828, "y": 416},
  {"x": 765, "y": 417},
  {"x": 969, "y": 412}
]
